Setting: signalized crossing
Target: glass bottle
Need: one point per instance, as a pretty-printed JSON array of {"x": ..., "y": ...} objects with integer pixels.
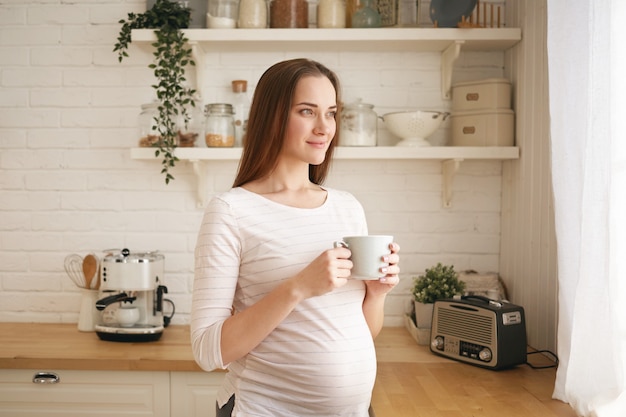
[
  {"x": 222, "y": 14},
  {"x": 148, "y": 133},
  {"x": 241, "y": 106},
  {"x": 219, "y": 128},
  {"x": 289, "y": 14},
  {"x": 359, "y": 124},
  {"x": 351, "y": 7},
  {"x": 252, "y": 14},
  {"x": 367, "y": 16},
  {"x": 331, "y": 14}
]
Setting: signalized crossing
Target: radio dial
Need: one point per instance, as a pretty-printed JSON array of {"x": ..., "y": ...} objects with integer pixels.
[
  {"x": 485, "y": 355},
  {"x": 438, "y": 343}
]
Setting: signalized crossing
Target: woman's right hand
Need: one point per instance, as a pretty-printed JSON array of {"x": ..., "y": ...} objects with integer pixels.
[{"x": 330, "y": 270}]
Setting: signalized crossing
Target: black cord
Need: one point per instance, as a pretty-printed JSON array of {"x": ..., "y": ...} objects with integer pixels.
[{"x": 555, "y": 358}]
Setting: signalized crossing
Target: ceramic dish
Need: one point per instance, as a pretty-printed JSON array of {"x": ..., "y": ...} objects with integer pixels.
[{"x": 448, "y": 13}]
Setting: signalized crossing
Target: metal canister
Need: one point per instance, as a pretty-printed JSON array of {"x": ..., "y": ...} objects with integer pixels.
[{"x": 219, "y": 128}]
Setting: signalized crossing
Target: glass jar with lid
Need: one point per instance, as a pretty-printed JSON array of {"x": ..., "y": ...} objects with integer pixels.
[
  {"x": 148, "y": 133},
  {"x": 359, "y": 124},
  {"x": 219, "y": 127},
  {"x": 252, "y": 14},
  {"x": 222, "y": 14},
  {"x": 289, "y": 14},
  {"x": 188, "y": 133}
]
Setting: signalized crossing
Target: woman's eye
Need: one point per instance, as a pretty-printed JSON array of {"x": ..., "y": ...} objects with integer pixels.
[
  {"x": 332, "y": 114},
  {"x": 307, "y": 112}
]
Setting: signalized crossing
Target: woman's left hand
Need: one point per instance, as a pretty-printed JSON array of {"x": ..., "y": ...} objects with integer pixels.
[{"x": 385, "y": 284}]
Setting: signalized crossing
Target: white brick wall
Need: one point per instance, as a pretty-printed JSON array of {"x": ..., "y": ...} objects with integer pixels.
[{"x": 68, "y": 116}]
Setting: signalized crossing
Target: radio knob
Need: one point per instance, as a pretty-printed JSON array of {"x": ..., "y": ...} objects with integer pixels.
[
  {"x": 438, "y": 343},
  {"x": 485, "y": 355}
]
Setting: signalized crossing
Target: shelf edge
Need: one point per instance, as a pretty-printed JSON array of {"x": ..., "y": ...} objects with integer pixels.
[{"x": 354, "y": 153}]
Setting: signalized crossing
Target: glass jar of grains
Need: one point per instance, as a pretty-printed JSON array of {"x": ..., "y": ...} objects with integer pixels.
[
  {"x": 252, "y": 14},
  {"x": 289, "y": 14},
  {"x": 219, "y": 128},
  {"x": 148, "y": 133},
  {"x": 188, "y": 133}
]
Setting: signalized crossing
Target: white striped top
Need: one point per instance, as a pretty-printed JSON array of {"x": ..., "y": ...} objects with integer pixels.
[{"x": 320, "y": 361}]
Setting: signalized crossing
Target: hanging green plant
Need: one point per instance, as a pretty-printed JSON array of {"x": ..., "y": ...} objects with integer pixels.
[{"x": 171, "y": 56}]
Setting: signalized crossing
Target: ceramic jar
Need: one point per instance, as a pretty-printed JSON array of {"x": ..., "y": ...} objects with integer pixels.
[{"x": 331, "y": 14}]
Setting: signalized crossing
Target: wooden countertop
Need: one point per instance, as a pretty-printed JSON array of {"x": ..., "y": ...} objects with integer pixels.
[
  {"x": 62, "y": 346},
  {"x": 411, "y": 380}
]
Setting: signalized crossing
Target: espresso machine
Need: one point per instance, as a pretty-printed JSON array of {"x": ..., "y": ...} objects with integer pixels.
[{"x": 131, "y": 297}]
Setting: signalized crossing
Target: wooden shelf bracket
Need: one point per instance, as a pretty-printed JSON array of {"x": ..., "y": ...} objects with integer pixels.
[
  {"x": 448, "y": 57},
  {"x": 449, "y": 168}
]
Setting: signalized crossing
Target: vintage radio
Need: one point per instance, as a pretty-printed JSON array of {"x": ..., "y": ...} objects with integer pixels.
[{"x": 479, "y": 331}]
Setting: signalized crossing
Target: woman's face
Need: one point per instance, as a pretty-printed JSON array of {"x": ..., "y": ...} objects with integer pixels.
[{"x": 311, "y": 124}]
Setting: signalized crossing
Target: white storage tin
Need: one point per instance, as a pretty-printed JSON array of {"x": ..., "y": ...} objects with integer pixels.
[
  {"x": 491, "y": 93},
  {"x": 483, "y": 128}
]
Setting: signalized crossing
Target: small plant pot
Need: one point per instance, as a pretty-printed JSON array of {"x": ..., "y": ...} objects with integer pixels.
[{"x": 423, "y": 315}]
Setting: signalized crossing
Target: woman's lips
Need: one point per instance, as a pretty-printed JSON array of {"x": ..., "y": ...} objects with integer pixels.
[{"x": 320, "y": 145}]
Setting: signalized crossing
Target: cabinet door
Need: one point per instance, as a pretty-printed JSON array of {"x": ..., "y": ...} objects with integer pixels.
[
  {"x": 85, "y": 393},
  {"x": 194, "y": 393}
]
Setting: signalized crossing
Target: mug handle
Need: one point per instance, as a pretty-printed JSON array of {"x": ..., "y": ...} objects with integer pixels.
[{"x": 340, "y": 243}]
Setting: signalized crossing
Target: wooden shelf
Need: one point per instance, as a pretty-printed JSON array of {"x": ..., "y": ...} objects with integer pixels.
[
  {"x": 449, "y": 156},
  {"x": 447, "y": 41},
  {"x": 412, "y": 39},
  {"x": 367, "y": 152}
]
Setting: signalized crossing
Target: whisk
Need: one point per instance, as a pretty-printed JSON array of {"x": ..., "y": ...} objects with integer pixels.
[{"x": 74, "y": 268}]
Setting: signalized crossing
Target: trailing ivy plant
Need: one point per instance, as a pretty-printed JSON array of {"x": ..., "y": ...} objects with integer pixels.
[{"x": 171, "y": 56}]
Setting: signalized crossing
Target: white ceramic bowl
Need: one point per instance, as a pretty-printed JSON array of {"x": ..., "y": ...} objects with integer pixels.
[{"x": 413, "y": 127}]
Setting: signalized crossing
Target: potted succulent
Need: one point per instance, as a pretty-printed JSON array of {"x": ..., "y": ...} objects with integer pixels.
[
  {"x": 171, "y": 56},
  {"x": 438, "y": 282}
]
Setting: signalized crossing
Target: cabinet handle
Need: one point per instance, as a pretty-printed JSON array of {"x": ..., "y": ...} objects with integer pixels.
[{"x": 46, "y": 378}]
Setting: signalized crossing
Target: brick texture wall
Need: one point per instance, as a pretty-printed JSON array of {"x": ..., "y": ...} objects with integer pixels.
[{"x": 68, "y": 118}]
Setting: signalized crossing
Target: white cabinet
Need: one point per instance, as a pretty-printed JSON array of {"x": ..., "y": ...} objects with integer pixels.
[
  {"x": 193, "y": 394},
  {"x": 84, "y": 393},
  {"x": 66, "y": 393}
]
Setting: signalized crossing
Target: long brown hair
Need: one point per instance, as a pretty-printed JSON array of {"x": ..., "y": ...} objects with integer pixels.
[{"x": 268, "y": 120}]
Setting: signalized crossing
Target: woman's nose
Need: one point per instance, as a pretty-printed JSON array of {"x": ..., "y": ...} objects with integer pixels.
[{"x": 324, "y": 126}]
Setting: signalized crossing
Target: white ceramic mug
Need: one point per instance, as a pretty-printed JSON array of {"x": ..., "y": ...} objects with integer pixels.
[
  {"x": 367, "y": 255},
  {"x": 127, "y": 315}
]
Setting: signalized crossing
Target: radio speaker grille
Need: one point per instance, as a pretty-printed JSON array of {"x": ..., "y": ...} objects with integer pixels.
[{"x": 465, "y": 326}]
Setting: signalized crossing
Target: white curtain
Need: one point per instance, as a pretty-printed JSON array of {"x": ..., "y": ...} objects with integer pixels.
[{"x": 587, "y": 73}]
